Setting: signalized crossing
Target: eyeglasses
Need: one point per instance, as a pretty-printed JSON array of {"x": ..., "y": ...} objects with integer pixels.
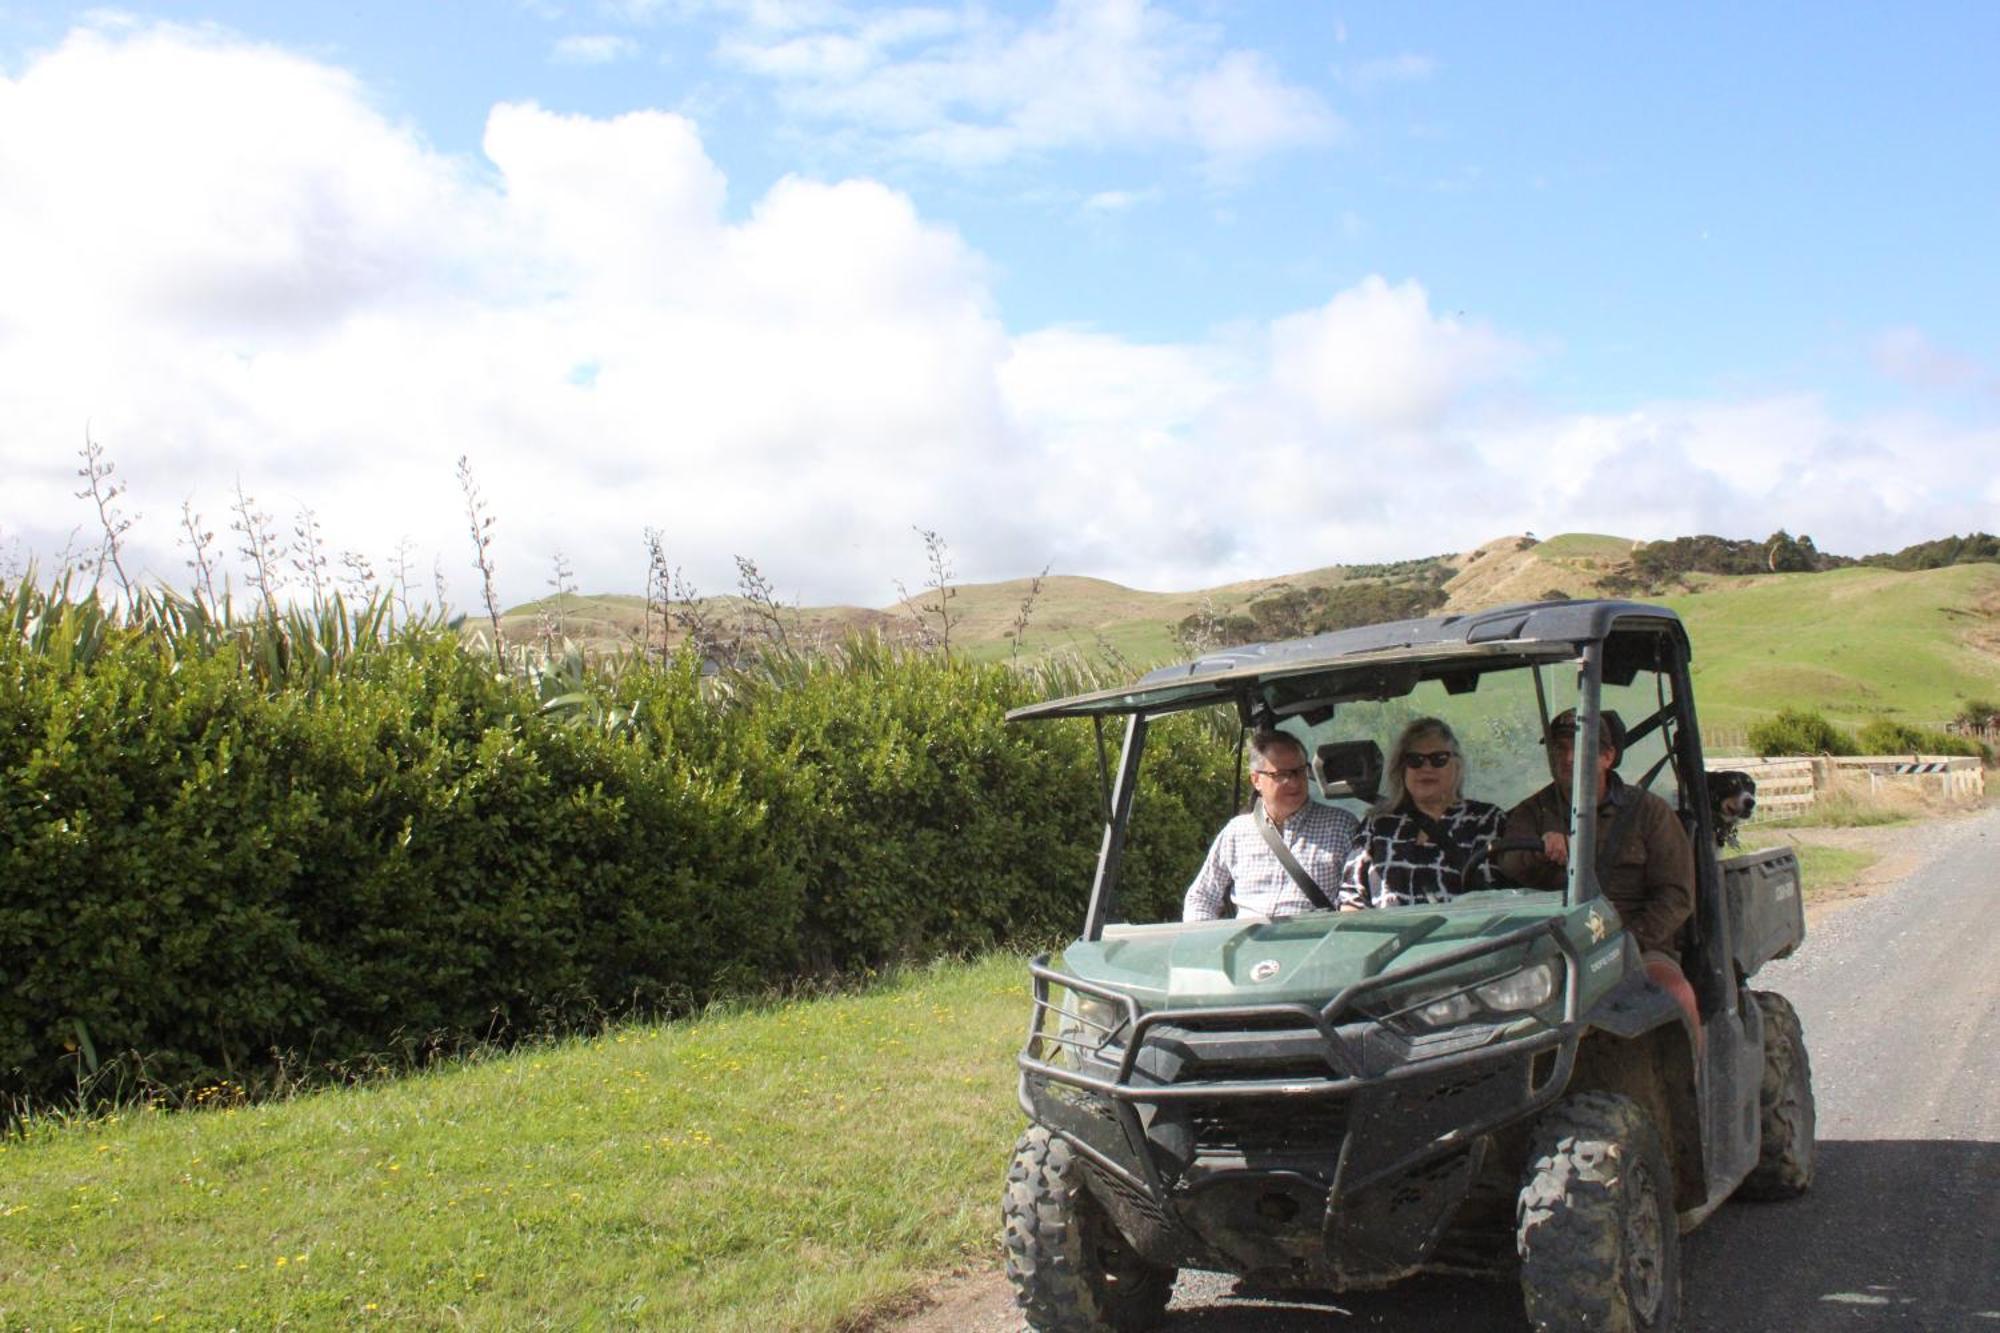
[
  {"x": 1435, "y": 758},
  {"x": 1281, "y": 774}
]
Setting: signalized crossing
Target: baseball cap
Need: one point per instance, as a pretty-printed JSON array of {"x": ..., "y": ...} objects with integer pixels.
[{"x": 1610, "y": 727}]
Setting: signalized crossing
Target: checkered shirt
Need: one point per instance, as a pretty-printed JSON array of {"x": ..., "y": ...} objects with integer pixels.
[
  {"x": 1394, "y": 864},
  {"x": 1242, "y": 867}
]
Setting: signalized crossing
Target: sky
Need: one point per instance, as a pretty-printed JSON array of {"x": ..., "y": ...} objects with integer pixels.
[{"x": 1172, "y": 294}]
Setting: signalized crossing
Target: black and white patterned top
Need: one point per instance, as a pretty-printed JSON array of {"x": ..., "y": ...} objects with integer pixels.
[
  {"x": 1397, "y": 860},
  {"x": 1241, "y": 868}
]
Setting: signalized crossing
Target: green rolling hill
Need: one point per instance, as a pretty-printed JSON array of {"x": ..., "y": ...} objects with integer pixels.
[{"x": 1855, "y": 643}]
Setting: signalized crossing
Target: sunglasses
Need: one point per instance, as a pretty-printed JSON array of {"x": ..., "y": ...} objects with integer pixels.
[
  {"x": 1435, "y": 758},
  {"x": 1282, "y": 774}
]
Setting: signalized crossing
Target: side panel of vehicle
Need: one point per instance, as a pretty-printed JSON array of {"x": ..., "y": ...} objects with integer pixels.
[{"x": 1767, "y": 918}]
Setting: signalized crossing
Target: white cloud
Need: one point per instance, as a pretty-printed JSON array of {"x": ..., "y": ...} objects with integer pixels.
[
  {"x": 226, "y": 262},
  {"x": 1375, "y": 358},
  {"x": 593, "y": 49},
  {"x": 338, "y": 320},
  {"x": 967, "y": 89}
]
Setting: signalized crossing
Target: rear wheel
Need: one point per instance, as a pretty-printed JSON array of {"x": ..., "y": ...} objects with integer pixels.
[
  {"x": 1595, "y": 1223},
  {"x": 1072, "y": 1272},
  {"x": 1785, "y": 1160}
]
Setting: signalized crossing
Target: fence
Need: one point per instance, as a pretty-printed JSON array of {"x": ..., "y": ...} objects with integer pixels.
[{"x": 1787, "y": 787}]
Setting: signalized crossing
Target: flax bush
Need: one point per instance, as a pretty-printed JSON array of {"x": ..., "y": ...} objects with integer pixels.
[{"x": 246, "y": 852}]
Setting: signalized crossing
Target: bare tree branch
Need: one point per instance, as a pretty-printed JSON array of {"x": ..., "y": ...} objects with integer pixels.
[
  {"x": 102, "y": 491},
  {"x": 481, "y": 523}
]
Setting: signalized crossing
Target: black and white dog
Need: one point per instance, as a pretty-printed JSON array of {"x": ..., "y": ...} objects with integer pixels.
[{"x": 1734, "y": 797}]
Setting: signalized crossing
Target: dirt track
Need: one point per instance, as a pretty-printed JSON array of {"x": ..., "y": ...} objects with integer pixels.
[{"x": 1897, "y": 987}]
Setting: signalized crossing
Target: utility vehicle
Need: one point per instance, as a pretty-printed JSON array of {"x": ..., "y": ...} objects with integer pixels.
[{"x": 1337, "y": 1100}]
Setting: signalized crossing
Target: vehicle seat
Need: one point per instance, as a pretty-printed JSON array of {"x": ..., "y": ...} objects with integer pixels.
[{"x": 1349, "y": 768}]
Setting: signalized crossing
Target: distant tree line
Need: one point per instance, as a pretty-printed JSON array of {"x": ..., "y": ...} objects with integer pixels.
[
  {"x": 1972, "y": 549},
  {"x": 1656, "y": 565}
]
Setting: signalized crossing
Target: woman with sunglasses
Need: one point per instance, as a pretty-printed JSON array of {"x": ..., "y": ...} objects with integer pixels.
[{"x": 1413, "y": 846}]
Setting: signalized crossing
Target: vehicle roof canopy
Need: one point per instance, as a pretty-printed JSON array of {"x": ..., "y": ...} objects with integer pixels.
[{"x": 1387, "y": 661}]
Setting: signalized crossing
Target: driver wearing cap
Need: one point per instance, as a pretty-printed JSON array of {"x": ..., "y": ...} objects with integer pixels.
[{"x": 1645, "y": 861}]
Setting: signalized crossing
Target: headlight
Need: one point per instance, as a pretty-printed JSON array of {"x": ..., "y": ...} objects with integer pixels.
[
  {"x": 1084, "y": 1023},
  {"x": 1097, "y": 1016},
  {"x": 1446, "y": 1011},
  {"x": 1526, "y": 989}
]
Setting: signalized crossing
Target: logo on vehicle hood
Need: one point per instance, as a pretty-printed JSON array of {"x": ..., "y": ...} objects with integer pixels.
[
  {"x": 1265, "y": 970},
  {"x": 1597, "y": 927}
]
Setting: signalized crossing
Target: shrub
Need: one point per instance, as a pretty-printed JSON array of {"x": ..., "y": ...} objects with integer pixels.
[
  {"x": 1978, "y": 714},
  {"x": 223, "y": 856},
  {"x": 1883, "y": 736},
  {"x": 1797, "y": 731}
]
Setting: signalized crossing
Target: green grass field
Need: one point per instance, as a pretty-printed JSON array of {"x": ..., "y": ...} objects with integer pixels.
[
  {"x": 1854, "y": 644},
  {"x": 784, "y": 1167}
]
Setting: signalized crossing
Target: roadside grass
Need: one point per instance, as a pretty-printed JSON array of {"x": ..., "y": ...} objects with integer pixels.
[
  {"x": 787, "y": 1166},
  {"x": 1823, "y": 868},
  {"x": 1850, "y": 802}
]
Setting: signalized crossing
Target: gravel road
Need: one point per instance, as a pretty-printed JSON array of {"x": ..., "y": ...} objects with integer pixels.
[{"x": 1900, "y": 995}]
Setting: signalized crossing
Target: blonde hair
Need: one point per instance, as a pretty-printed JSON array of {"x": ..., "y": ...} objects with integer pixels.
[{"x": 1392, "y": 775}]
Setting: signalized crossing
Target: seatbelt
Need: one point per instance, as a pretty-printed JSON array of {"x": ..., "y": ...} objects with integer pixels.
[{"x": 1307, "y": 885}]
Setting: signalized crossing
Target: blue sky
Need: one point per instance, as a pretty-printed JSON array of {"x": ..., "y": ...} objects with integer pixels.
[{"x": 1166, "y": 293}]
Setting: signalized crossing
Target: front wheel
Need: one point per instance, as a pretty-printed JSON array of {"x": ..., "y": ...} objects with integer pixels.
[
  {"x": 1072, "y": 1272},
  {"x": 1784, "y": 1167},
  {"x": 1595, "y": 1223}
]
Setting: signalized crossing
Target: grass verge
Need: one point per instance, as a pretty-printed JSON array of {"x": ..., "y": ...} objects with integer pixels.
[
  {"x": 785, "y": 1167},
  {"x": 1824, "y": 868}
]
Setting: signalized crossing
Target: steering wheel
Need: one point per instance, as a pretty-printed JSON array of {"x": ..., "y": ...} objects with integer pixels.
[{"x": 1493, "y": 847}]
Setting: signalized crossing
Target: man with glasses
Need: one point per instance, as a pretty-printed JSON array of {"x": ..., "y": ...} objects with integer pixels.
[{"x": 1245, "y": 869}]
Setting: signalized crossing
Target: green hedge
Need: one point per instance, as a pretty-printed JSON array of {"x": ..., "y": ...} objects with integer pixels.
[{"x": 209, "y": 876}]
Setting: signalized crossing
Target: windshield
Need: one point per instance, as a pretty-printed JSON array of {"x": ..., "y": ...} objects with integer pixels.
[{"x": 1499, "y": 726}]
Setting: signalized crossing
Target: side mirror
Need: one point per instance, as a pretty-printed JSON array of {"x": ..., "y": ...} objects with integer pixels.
[{"x": 1349, "y": 768}]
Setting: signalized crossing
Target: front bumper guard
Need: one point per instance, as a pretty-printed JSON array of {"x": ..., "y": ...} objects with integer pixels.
[{"x": 1126, "y": 1155}]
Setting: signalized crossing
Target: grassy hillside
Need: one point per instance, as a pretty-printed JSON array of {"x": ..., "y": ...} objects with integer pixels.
[{"x": 1854, "y": 643}]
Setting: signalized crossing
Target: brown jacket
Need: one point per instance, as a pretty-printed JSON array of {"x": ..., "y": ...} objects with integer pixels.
[{"x": 1652, "y": 881}]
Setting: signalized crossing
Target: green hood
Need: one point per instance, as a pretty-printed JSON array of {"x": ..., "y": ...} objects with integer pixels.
[{"x": 1194, "y": 964}]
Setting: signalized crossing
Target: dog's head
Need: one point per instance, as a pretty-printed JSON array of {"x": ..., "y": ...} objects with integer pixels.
[{"x": 1734, "y": 796}]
